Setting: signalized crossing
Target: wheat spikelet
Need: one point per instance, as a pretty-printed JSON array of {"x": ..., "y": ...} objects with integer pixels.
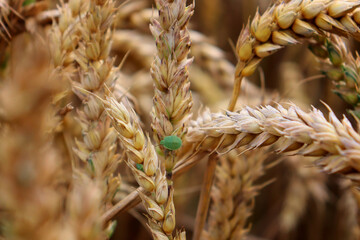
[
  {"x": 297, "y": 132},
  {"x": 65, "y": 34},
  {"x": 287, "y": 23},
  {"x": 207, "y": 55}
]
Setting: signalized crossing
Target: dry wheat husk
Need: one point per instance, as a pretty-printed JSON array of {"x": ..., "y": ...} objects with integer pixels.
[{"x": 172, "y": 103}]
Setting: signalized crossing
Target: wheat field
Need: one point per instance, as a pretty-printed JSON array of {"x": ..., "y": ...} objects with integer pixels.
[{"x": 176, "y": 119}]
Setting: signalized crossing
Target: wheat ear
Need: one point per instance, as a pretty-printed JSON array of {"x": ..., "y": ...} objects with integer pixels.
[
  {"x": 287, "y": 23},
  {"x": 233, "y": 194},
  {"x": 97, "y": 149},
  {"x": 297, "y": 132},
  {"x": 172, "y": 100},
  {"x": 143, "y": 162}
]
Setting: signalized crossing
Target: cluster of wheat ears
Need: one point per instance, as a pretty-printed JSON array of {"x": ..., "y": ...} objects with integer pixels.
[{"x": 76, "y": 128}]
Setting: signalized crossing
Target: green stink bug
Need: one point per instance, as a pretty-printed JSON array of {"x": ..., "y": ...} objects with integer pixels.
[
  {"x": 171, "y": 142},
  {"x": 140, "y": 167}
]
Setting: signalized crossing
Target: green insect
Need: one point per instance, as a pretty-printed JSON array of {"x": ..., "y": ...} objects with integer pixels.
[
  {"x": 171, "y": 142},
  {"x": 140, "y": 167}
]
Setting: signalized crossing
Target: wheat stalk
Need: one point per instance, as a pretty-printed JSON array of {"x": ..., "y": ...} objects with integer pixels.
[
  {"x": 286, "y": 24},
  {"x": 297, "y": 132},
  {"x": 204, "y": 200}
]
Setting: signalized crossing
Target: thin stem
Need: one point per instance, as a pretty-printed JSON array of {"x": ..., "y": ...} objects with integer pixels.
[
  {"x": 205, "y": 196},
  {"x": 235, "y": 93},
  {"x": 131, "y": 199}
]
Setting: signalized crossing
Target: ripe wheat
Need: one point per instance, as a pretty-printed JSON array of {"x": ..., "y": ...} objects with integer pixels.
[{"x": 288, "y": 23}]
